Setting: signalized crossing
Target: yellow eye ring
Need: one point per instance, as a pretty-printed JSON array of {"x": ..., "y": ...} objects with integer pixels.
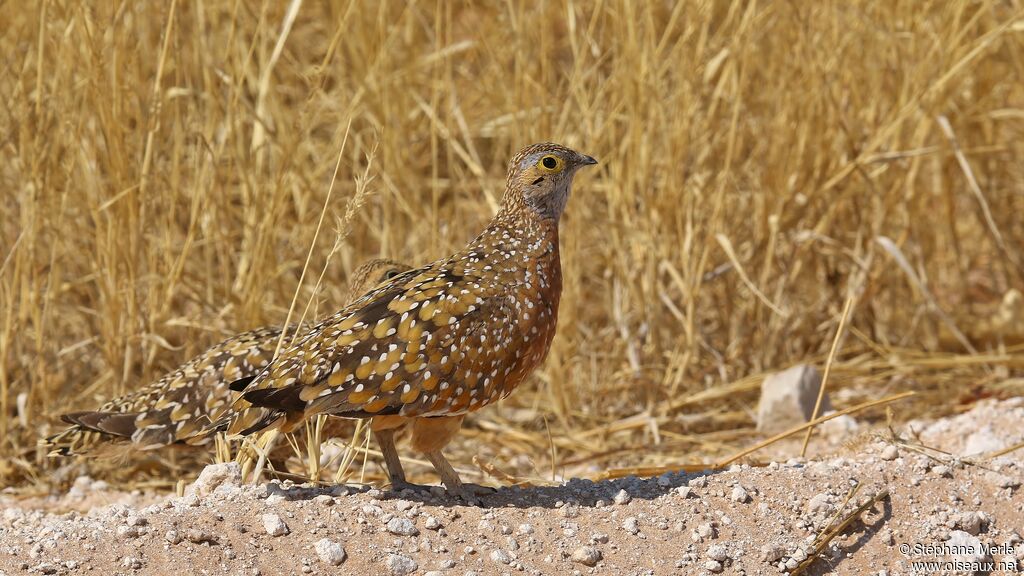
[{"x": 550, "y": 163}]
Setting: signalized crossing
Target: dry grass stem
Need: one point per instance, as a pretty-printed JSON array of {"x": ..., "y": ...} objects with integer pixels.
[{"x": 847, "y": 307}]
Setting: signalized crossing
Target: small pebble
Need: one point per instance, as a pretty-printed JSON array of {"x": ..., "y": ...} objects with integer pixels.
[
  {"x": 274, "y": 525},
  {"x": 500, "y": 556},
  {"x": 402, "y": 527},
  {"x": 772, "y": 553},
  {"x": 622, "y": 497},
  {"x": 197, "y": 536},
  {"x": 400, "y": 565},
  {"x": 739, "y": 494},
  {"x": 330, "y": 553},
  {"x": 890, "y": 453},
  {"x": 717, "y": 552},
  {"x": 586, "y": 555}
]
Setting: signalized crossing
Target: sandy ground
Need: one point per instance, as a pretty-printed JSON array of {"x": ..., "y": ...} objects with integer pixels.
[{"x": 965, "y": 515}]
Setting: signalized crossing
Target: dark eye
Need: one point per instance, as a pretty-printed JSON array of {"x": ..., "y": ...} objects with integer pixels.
[
  {"x": 549, "y": 162},
  {"x": 391, "y": 274}
]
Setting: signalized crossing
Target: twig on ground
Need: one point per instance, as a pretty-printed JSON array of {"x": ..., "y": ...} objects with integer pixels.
[{"x": 832, "y": 530}]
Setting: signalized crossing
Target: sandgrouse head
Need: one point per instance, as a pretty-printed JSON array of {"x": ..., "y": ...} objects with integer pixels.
[
  {"x": 539, "y": 177},
  {"x": 372, "y": 274}
]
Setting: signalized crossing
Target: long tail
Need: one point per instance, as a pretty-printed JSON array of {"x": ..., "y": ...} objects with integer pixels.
[
  {"x": 73, "y": 441},
  {"x": 88, "y": 430}
]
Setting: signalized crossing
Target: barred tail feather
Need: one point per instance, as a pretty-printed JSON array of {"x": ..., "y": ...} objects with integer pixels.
[
  {"x": 256, "y": 419},
  {"x": 73, "y": 441}
]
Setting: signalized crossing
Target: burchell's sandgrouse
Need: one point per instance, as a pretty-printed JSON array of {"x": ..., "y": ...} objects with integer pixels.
[
  {"x": 175, "y": 405},
  {"x": 436, "y": 342}
]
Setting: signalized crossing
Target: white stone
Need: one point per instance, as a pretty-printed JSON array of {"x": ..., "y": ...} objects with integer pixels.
[
  {"x": 274, "y": 525},
  {"x": 717, "y": 552},
  {"x": 500, "y": 556},
  {"x": 402, "y": 527},
  {"x": 890, "y": 453},
  {"x": 586, "y": 555},
  {"x": 772, "y": 553},
  {"x": 739, "y": 494},
  {"x": 973, "y": 550},
  {"x": 819, "y": 503},
  {"x": 214, "y": 476},
  {"x": 330, "y": 553},
  {"x": 971, "y": 522},
  {"x": 788, "y": 397},
  {"x": 400, "y": 565}
]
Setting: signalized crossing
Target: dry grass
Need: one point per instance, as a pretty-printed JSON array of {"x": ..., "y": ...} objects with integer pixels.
[{"x": 164, "y": 166}]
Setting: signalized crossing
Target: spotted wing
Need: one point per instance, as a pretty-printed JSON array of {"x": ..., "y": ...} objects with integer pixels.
[
  {"x": 158, "y": 413},
  {"x": 435, "y": 341}
]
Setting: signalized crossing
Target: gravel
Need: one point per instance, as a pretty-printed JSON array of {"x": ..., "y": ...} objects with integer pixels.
[{"x": 691, "y": 523}]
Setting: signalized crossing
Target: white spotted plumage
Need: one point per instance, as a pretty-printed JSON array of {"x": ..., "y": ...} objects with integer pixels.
[
  {"x": 181, "y": 402},
  {"x": 437, "y": 341}
]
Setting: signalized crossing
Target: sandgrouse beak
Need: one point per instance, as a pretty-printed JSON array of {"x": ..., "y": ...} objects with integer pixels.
[{"x": 587, "y": 160}]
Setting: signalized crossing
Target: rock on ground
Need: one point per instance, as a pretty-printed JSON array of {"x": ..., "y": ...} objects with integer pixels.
[
  {"x": 788, "y": 398},
  {"x": 330, "y": 553}
]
